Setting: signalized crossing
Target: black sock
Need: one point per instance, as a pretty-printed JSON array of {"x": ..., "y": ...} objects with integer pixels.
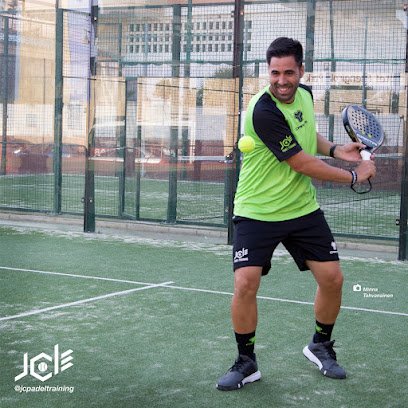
[
  {"x": 323, "y": 332},
  {"x": 246, "y": 344}
]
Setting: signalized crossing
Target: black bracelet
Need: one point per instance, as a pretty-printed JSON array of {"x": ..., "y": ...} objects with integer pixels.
[
  {"x": 331, "y": 151},
  {"x": 353, "y": 178}
]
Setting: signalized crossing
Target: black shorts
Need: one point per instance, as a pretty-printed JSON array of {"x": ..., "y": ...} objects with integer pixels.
[{"x": 306, "y": 238}]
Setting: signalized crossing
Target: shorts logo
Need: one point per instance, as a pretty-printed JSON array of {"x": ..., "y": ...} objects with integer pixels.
[
  {"x": 241, "y": 255},
  {"x": 334, "y": 246},
  {"x": 287, "y": 143}
]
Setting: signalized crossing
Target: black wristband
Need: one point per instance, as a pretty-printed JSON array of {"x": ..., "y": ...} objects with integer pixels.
[
  {"x": 331, "y": 151},
  {"x": 353, "y": 178}
]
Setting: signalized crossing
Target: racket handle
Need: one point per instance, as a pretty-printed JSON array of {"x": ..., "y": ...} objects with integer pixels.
[{"x": 365, "y": 154}]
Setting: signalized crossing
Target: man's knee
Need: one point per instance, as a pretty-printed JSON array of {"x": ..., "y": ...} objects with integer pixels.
[
  {"x": 327, "y": 274},
  {"x": 333, "y": 280},
  {"x": 246, "y": 281}
]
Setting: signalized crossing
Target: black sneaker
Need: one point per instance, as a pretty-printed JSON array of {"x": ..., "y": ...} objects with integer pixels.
[
  {"x": 323, "y": 355},
  {"x": 245, "y": 370}
]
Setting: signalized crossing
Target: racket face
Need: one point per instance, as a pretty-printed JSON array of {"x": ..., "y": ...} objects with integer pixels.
[{"x": 362, "y": 126}]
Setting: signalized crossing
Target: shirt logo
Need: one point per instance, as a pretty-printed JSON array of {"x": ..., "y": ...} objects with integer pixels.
[
  {"x": 241, "y": 255},
  {"x": 287, "y": 143},
  {"x": 299, "y": 116}
]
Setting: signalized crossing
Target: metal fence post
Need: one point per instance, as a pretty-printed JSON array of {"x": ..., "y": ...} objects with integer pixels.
[
  {"x": 5, "y": 94},
  {"x": 89, "y": 195},
  {"x": 310, "y": 34},
  {"x": 58, "y": 106},
  {"x": 172, "y": 199},
  {"x": 122, "y": 171},
  {"x": 403, "y": 219},
  {"x": 89, "y": 199},
  {"x": 237, "y": 74},
  {"x": 138, "y": 170},
  {"x": 173, "y": 158}
]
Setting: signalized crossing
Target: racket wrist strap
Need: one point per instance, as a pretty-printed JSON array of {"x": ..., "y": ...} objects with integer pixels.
[
  {"x": 332, "y": 149},
  {"x": 353, "y": 178}
]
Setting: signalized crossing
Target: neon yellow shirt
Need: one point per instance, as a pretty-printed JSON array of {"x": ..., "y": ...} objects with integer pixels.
[{"x": 268, "y": 188}]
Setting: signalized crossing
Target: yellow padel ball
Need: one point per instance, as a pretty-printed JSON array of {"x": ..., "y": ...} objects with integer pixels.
[{"x": 246, "y": 144}]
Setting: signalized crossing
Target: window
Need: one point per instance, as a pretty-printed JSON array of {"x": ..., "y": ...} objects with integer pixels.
[
  {"x": 155, "y": 36},
  {"x": 31, "y": 120},
  {"x": 74, "y": 116}
]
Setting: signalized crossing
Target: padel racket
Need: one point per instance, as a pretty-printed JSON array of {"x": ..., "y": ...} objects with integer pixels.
[{"x": 363, "y": 127}]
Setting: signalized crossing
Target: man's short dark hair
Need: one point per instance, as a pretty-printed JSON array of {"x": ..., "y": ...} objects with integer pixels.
[{"x": 285, "y": 47}]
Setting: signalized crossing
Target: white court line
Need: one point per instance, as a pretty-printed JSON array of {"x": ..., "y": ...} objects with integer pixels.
[
  {"x": 200, "y": 290},
  {"x": 298, "y": 302},
  {"x": 72, "y": 275},
  {"x": 80, "y": 302}
]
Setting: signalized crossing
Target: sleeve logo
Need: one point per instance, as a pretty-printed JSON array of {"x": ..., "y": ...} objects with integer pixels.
[{"x": 287, "y": 143}]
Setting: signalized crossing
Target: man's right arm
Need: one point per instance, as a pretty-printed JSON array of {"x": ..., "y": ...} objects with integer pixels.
[{"x": 312, "y": 166}]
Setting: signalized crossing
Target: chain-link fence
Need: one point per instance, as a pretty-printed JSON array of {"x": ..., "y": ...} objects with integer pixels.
[{"x": 133, "y": 110}]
